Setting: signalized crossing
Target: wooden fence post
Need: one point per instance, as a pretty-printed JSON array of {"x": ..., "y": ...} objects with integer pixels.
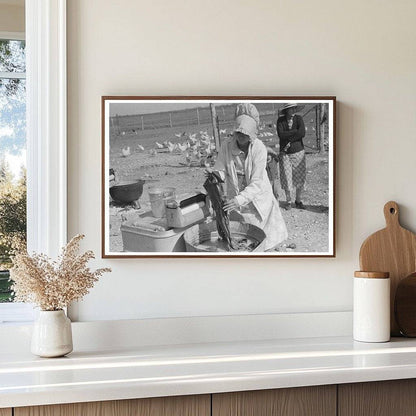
[
  {"x": 322, "y": 126},
  {"x": 170, "y": 120},
  {"x": 118, "y": 124},
  {"x": 215, "y": 126},
  {"x": 197, "y": 115},
  {"x": 317, "y": 126},
  {"x": 112, "y": 124},
  {"x": 142, "y": 123}
]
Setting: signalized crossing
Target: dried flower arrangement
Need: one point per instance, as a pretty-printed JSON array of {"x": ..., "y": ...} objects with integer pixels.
[{"x": 53, "y": 285}]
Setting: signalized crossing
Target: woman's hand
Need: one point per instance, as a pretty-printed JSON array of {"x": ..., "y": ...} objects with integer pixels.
[
  {"x": 219, "y": 175},
  {"x": 208, "y": 171},
  {"x": 231, "y": 205},
  {"x": 271, "y": 151}
]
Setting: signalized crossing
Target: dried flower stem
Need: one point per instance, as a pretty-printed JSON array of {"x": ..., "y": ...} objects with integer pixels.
[{"x": 53, "y": 285}]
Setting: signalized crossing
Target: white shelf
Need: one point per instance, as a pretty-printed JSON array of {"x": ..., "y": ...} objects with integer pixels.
[{"x": 150, "y": 371}]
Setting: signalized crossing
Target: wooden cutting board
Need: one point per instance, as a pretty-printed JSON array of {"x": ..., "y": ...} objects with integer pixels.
[{"x": 393, "y": 250}]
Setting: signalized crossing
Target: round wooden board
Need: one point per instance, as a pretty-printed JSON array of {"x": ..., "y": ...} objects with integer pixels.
[{"x": 393, "y": 250}]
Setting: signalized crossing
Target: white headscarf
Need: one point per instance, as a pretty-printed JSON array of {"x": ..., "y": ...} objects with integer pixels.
[
  {"x": 246, "y": 125},
  {"x": 249, "y": 110}
]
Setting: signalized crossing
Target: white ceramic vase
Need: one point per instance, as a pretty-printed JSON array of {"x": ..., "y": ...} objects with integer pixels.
[{"x": 52, "y": 334}]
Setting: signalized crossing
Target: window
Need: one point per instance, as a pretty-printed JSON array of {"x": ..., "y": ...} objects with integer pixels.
[
  {"x": 45, "y": 29},
  {"x": 12, "y": 154}
]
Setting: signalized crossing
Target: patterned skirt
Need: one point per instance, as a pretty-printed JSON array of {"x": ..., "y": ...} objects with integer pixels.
[{"x": 292, "y": 170}]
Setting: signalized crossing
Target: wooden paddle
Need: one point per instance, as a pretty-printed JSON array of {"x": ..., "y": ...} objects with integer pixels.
[{"x": 393, "y": 250}]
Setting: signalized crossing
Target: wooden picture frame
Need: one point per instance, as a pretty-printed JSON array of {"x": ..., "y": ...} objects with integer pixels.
[{"x": 156, "y": 151}]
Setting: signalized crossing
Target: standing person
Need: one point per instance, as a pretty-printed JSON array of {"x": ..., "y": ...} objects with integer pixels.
[
  {"x": 242, "y": 164},
  {"x": 291, "y": 131}
]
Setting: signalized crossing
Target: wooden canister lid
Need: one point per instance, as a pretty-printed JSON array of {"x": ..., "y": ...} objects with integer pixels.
[{"x": 372, "y": 275}]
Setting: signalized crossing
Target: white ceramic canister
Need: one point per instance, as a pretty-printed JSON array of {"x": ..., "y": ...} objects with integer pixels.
[{"x": 371, "y": 314}]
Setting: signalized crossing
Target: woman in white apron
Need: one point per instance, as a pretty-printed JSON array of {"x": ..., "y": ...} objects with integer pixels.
[{"x": 242, "y": 161}]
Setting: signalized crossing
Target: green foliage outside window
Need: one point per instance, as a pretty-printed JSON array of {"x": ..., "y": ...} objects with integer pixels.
[
  {"x": 12, "y": 223},
  {"x": 12, "y": 144}
]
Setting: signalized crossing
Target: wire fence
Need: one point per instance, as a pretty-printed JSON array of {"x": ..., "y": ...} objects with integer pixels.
[{"x": 315, "y": 118}]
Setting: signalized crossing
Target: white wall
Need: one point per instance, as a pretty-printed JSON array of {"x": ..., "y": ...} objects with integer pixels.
[
  {"x": 12, "y": 18},
  {"x": 361, "y": 51}
]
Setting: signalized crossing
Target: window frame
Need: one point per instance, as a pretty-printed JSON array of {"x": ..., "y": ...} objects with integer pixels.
[
  {"x": 12, "y": 35},
  {"x": 46, "y": 125},
  {"x": 46, "y": 137}
]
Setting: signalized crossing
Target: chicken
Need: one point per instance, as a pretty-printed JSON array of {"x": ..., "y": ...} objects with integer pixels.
[
  {"x": 125, "y": 151},
  {"x": 182, "y": 147},
  {"x": 171, "y": 147},
  {"x": 205, "y": 142},
  {"x": 188, "y": 159},
  {"x": 112, "y": 177},
  {"x": 192, "y": 137},
  {"x": 159, "y": 146},
  {"x": 209, "y": 149}
]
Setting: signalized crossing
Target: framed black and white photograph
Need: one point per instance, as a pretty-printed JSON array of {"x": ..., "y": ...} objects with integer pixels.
[{"x": 218, "y": 176}]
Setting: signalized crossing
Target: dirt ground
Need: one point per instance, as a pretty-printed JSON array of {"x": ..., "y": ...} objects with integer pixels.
[{"x": 307, "y": 229}]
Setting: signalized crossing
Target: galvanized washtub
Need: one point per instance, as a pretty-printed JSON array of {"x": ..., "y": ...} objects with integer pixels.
[{"x": 204, "y": 237}]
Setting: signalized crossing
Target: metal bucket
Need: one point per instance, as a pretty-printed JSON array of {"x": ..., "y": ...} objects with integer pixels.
[
  {"x": 158, "y": 198},
  {"x": 204, "y": 237}
]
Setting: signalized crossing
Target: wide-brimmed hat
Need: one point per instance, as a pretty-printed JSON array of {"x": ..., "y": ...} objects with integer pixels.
[{"x": 291, "y": 105}]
